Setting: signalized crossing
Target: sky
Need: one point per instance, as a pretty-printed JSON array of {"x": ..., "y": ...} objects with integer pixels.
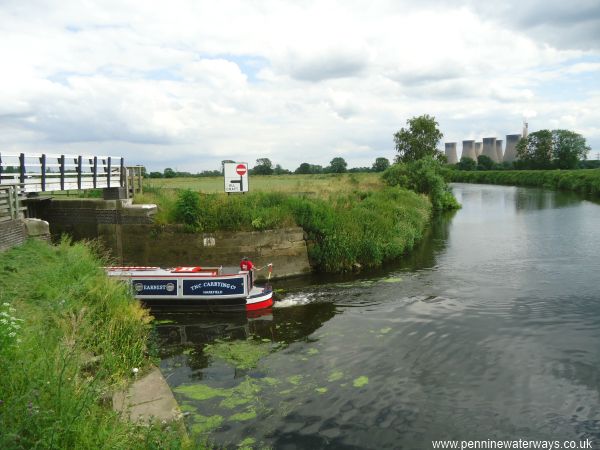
[{"x": 187, "y": 83}]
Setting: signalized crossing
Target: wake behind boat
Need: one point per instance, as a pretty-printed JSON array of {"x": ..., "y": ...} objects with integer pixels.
[{"x": 195, "y": 287}]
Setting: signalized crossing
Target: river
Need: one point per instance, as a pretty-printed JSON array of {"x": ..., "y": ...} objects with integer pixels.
[{"x": 489, "y": 330}]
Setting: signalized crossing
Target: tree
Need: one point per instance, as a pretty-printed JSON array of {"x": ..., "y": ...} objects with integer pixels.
[
  {"x": 169, "y": 173},
  {"x": 568, "y": 148},
  {"x": 360, "y": 170},
  {"x": 338, "y": 165},
  {"x": 264, "y": 166},
  {"x": 381, "y": 164},
  {"x": 419, "y": 140},
  {"x": 535, "y": 151},
  {"x": 467, "y": 163},
  {"x": 303, "y": 168},
  {"x": 306, "y": 168},
  {"x": 484, "y": 162},
  {"x": 156, "y": 175},
  {"x": 280, "y": 170}
]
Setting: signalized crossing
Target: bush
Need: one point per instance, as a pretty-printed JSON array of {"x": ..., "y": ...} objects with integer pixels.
[
  {"x": 466, "y": 164},
  {"x": 484, "y": 162},
  {"x": 187, "y": 208},
  {"x": 423, "y": 176}
]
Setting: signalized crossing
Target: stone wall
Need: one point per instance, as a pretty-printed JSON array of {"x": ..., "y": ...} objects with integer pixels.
[
  {"x": 87, "y": 218},
  {"x": 150, "y": 245},
  {"x": 15, "y": 232},
  {"x": 133, "y": 239},
  {"x": 12, "y": 233}
]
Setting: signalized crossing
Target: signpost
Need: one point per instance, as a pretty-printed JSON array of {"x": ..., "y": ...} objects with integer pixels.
[{"x": 236, "y": 177}]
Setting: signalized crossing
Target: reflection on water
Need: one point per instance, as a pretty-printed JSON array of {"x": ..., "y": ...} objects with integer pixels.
[{"x": 488, "y": 330}]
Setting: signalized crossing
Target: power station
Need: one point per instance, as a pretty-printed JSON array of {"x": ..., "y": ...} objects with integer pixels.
[{"x": 491, "y": 147}]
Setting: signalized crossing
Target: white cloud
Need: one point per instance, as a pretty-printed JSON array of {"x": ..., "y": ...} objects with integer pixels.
[{"x": 191, "y": 82}]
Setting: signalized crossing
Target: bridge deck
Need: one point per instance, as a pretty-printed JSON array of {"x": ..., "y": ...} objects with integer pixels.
[{"x": 46, "y": 172}]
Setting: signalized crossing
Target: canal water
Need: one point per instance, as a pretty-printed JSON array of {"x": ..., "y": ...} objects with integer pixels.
[{"x": 490, "y": 329}]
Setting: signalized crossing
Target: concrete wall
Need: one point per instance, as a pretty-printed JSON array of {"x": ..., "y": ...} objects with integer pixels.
[
  {"x": 12, "y": 233},
  {"x": 170, "y": 245},
  {"x": 129, "y": 233}
]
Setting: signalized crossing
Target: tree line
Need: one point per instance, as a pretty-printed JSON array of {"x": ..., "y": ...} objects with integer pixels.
[
  {"x": 264, "y": 166},
  {"x": 541, "y": 150}
]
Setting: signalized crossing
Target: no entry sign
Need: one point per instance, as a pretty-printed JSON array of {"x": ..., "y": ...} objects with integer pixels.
[
  {"x": 236, "y": 177},
  {"x": 241, "y": 169}
]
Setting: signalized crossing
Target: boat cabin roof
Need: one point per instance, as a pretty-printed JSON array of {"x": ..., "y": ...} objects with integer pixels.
[{"x": 187, "y": 271}]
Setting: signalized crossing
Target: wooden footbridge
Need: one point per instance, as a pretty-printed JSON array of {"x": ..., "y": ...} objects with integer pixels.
[{"x": 24, "y": 175}]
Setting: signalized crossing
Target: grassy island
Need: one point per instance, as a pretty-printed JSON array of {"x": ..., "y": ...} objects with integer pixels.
[
  {"x": 351, "y": 220},
  {"x": 69, "y": 336}
]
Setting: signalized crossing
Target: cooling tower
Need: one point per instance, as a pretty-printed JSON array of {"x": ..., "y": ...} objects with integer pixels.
[
  {"x": 478, "y": 148},
  {"x": 468, "y": 150},
  {"x": 451, "y": 152},
  {"x": 510, "y": 153},
  {"x": 499, "y": 151},
  {"x": 489, "y": 148}
]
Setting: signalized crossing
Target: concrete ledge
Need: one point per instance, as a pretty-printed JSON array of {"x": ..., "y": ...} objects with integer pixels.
[
  {"x": 37, "y": 228},
  {"x": 148, "y": 399}
]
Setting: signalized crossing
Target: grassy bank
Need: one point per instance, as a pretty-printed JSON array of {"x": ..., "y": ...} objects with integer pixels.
[
  {"x": 584, "y": 181},
  {"x": 68, "y": 337},
  {"x": 350, "y": 220}
]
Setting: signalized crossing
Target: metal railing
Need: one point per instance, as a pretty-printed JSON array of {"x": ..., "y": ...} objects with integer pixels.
[{"x": 45, "y": 172}]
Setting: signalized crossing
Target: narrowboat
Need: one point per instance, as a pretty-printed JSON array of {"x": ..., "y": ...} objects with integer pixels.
[{"x": 207, "y": 288}]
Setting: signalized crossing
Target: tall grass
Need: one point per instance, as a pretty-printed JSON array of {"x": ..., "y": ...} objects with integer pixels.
[
  {"x": 584, "y": 181},
  {"x": 317, "y": 184},
  {"x": 78, "y": 337}
]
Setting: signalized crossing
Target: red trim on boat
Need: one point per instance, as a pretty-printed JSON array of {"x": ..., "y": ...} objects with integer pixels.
[
  {"x": 180, "y": 275},
  {"x": 259, "y": 305}
]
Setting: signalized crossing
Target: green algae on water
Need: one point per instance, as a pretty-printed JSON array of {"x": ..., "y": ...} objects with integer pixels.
[
  {"x": 247, "y": 415},
  {"x": 233, "y": 401},
  {"x": 241, "y": 354},
  {"x": 385, "y": 330},
  {"x": 312, "y": 351},
  {"x": 336, "y": 375},
  {"x": 205, "y": 424},
  {"x": 186, "y": 407},
  {"x": 295, "y": 379},
  {"x": 360, "y": 381},
  {"x": 321, "y": 390},
  {"x": 392, "y": 280},
  {"x": 200, "y": 391},
  {"x": 247, "y": 443},
  {"x": 270, "y": 381}
]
